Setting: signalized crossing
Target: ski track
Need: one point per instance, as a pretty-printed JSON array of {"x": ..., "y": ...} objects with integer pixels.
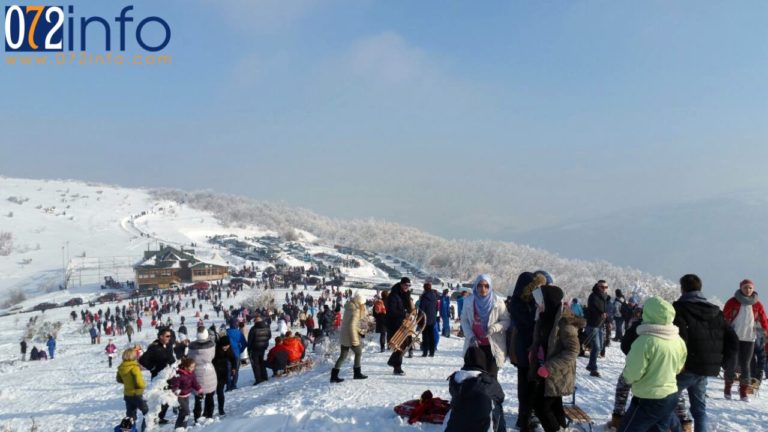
[{"x": 78, "y": 391}]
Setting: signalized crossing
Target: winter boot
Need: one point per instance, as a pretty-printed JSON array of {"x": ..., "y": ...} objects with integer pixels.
[
  {"x": 358, "y": 374},
  {"x": 399, "y": 371},
  {"x": 743, "y": 388},
  {"x": 615, "y": 421},
  {"x": 687, "y": 425},
  {"x": 728, "y": 385},
  {"x": 335, "y": 376}
]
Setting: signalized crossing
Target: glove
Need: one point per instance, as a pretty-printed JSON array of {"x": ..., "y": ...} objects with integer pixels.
[{"x": 543, "y": 372}]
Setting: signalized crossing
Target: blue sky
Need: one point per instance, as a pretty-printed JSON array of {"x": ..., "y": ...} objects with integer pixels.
[{"x": 464, "y": 119}]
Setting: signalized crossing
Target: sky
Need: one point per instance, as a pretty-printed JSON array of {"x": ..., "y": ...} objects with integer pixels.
[{"x": 463, "y": 119}]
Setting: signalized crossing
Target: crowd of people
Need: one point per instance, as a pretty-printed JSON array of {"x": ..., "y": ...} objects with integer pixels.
[{"x": 671, "y": 349}]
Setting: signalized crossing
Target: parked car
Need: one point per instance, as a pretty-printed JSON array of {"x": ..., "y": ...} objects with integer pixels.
[
  {"x": 45, "y": 306},
  {"x": 74, "y": 301},
  {"x": 109, "y": 297}
]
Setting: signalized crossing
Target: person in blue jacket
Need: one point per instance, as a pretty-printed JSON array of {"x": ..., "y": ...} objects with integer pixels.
[
  {"x": 445, "y": 312},
  {"x": 428, "y": 305},
  {"x": 238, "y": 344},
  {"x": 51, "y": 346}
]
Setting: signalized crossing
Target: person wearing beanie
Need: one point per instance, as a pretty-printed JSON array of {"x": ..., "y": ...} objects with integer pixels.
[
  {"x": 485, "y": 321},
  {"x": 654, "y": 360},
  {"x": 554, "y": 349},
  {"x": 354, "y": 314},
  {"x": 224, "y": 364},
  {"x": 476, "y": 396},
  {"x": 743, "y": 312},
  {"x": 399, "y": 305},
  {"x": 521, "y": 306},
  {"x": 202, "y": 351}
]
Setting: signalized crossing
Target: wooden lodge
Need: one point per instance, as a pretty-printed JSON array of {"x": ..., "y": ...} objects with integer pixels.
[{"x": 169, "y": 265}]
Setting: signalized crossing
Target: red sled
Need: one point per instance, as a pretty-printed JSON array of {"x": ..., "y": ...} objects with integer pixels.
[{"x": 428, "y": 409}]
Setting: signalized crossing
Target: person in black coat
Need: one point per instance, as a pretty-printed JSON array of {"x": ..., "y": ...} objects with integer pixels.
[
  {"x": 709, "y": 340},
  {"x": 326, "y": 319},
  {"x": 596, "y": 316},
  {"x": 398, "y": 306},
  {"x": 428, "y": 305},
  {"x": 23, "y": 349},
  {"x": 258, "y": 342},
  {"x": 224, "y": 363},
  {"x": 158, "y": 356},
  {"x": 522, "y": 309},
  {"x": 476, "y": 397}
]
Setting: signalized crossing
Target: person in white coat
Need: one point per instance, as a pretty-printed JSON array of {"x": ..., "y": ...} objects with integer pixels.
[
  {"x": 202, "y": 352},
  {"x": 484, "y": 321}
]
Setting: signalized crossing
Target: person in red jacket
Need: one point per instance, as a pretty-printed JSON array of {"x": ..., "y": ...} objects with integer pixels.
[
  {"x": 743, "y": 312},
  {"x": 277, "y": 357},
  {"x": 294, "y": 346}
]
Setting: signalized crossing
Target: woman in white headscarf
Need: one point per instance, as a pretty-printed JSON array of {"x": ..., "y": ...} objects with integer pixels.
[{"x": 484, "y": 321}]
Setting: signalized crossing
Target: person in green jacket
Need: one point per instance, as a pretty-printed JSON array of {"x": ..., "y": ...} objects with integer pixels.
[
  {"x": 653, "y": 362},
  {"x": 129, "y": 375}
]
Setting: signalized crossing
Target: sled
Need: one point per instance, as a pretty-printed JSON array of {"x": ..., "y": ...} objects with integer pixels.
[
  {"x": 299, "y": 366},
  {"x": 575, "y": 415},
  {"x": 428, "y": 409},
  {"x": 409, "y": 331}
]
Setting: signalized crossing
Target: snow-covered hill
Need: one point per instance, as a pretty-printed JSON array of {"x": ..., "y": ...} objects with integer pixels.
[{"x": 52, "y": 224}]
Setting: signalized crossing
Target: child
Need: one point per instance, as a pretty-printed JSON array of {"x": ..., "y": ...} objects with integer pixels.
[
  {"x": 111, "y": 350},
  {"x": 182, "y": 385},
  {"x": 654, "y": 360},
  {"x": 476, "y": 397},
  {"x": 129, "y": 375}
]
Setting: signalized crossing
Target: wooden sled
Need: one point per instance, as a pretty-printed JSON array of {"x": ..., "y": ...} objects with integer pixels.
[
  {"x": 575, "y": 415},
  {"x": 297, "y": 367},
  {"x": 409, "y": 331}
]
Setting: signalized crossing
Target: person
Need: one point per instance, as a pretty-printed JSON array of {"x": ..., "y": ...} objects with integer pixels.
[
  {"x": 522, "y": 308},
  {"x": 460, "y": 302},
  {"x": 129, "y": 375},
  {"x": 183, "y": 385},
  {"x": 34, "y": 354},
  {"x": 596, "y": 315},
  {"x": 129, "y": 331},
  {"x": 621, "y": 393},
  {"x": 111, "y": 351},
  {"x": 743, "y": 312},
  {"x": 485, "y": 321},
  {"x": 445, "y": 313},
  {"x": 238, "y": 344},
  {"x": 707, "y": 338},
  {"x": 354, "y": 310},
  {"x": 295, "y": 347},
  {"x": 23, "y": 349},
  {"x": 399, "y": 305},
  {"x": 202, "y": 351},
  {"x": 277, "y": 357},
  {"x": 325, "y": 319},
  {"x": 654, "y": 360},
  {"x": 619, "y": 303},
  {"x": 94, "y": 334},
  {"x": 576, "y": 308},
  {"x": 379, "y": 316},
  {"x": 155, "y": 359},
  {"x": 126, "y": 425},
  {"x": 258, "y": 342},
  {"x": 476, "y": 397},
  {"x": 223, "y": 364},
  {"x": 555, "y": 348},
  {"x": 51, "y": 346},
  {"x": 428, "y": 305}
]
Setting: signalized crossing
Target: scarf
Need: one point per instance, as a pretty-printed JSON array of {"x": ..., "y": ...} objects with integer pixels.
[
  {"x": 744, "y": 300},
  {"x": 483, "y": 304},
  {"x": 659, "y": 330}
]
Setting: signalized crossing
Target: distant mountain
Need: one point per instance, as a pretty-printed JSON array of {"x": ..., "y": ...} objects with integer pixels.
[{"x": 722, "y": 239}]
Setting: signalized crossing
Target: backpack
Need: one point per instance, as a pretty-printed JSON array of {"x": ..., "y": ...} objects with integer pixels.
[
  {"x": 626, "y": 311},
  {"x": 379, "y": 308}
]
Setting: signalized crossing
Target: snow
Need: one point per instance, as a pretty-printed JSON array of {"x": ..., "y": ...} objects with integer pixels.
[{"x": 76, "y": 391}]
